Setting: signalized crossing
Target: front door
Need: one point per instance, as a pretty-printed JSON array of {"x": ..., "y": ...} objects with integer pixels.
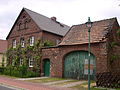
[{"x": 46, "y": 67}]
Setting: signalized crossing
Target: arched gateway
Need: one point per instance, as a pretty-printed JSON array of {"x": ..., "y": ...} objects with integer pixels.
[{"x": 76, "y": 65}]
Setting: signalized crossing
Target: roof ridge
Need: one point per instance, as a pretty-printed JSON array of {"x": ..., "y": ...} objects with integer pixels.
[
  {"x": 98, "y": 21},
  {"x": 45, "y": 16},
  {"x": 35, "y": 12}
]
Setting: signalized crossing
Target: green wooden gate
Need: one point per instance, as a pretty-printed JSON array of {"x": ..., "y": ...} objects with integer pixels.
[
  {"x": 76, "y": 65},
  {"x": 46, "y": 67}
]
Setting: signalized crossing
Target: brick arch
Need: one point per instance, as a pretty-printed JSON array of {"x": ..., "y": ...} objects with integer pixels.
[
  {"x": 74, "y": 51},
  {"x": 63, "y": 58},
  {"x": 95, "y": 50}
]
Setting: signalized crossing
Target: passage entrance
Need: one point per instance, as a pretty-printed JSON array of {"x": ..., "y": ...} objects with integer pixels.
[{"x": 76, "y": 65}]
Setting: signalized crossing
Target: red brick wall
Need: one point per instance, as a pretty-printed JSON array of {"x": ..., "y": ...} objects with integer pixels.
[
  {"x": 51, "y": 37},
  {"x": 114, "y": 50},
  {"x": 32, "y": 30},
  {"x": 56, "y": 56}
]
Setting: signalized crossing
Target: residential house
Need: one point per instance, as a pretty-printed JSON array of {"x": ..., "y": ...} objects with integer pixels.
[
  {"x": 31, "y": 27},
  {"x": 3, "y": 49}
]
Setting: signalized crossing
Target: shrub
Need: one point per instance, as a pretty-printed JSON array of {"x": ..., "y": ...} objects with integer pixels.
[{"x": 1, "y": 70}]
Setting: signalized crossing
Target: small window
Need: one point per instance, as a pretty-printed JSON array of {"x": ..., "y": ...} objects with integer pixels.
[
  {"x": 58, "y": 41},
  {"x": 25, "y": 25},
  {"x": 21, "y": 61},
  {"x": 22, "y": 42},
  {"x": 31, "y": 62},
  {"x": 13, "y": 63},
  {"x": 32, "y": 40},
  {"x": 14, "y": 43}
]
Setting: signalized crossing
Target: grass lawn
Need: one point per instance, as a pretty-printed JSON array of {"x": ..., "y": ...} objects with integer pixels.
[
  {"x": 67, "y": 82},
  {"x": 45, "y": 80}
]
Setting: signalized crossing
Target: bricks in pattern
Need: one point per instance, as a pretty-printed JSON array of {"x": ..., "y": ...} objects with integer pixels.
[
  {"x": 32, "y": 30},
  {"x": 57, "y": 55}
]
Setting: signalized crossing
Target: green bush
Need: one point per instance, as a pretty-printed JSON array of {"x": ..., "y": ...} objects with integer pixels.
[
  {"x": 1, "y": 70},
  {"x": 21, "y": 71},
  {"x": 31, "y": 74},
  {"x": 8, "y": 70}
]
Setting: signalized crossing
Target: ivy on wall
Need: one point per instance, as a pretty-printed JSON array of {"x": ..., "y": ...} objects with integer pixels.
[
  {"x": 14, "y": 55},
  {"x": 111, "y": 46}
]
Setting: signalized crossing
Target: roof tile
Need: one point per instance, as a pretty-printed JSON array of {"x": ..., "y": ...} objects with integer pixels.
[{"x": 78, "y": 34}]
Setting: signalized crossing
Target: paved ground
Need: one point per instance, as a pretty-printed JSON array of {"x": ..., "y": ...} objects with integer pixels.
[
  {"x": 5, "y": 88},
  {"x": 28, "y": 85},
  {"x": 30, "y": 78}
]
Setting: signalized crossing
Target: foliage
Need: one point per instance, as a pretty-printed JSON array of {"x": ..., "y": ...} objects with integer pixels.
[
  {"x": 118, "y": 32},
  {"x": 48, "y": 43},
  {"x": 1, "y": 70},
  {"x": 114, "y": 57},
  {"x": 21, "y": 71},
  {"x": 13, "y": 59},
  {"x": 3, "y": 61}
]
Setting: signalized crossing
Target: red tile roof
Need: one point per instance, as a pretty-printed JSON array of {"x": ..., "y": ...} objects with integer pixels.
[
  {"x": 78, "y": 34},
  {"x": 3, "y": 46}
]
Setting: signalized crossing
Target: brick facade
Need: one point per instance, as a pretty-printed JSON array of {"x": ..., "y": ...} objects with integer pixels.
[
  {"x": 31, "y": 30},
  {"x": 100, "y": 50},
  {"x": 57, "y": 55}
]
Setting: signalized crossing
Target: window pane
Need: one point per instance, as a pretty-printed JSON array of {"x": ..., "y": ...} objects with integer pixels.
[
  {"x": 30, "y": 62},
  {"x": 14, "y": 43},
  {"x": 31, "y": 41},
  {"x": 21, "y": 61},
  {"x": 22, "y": 42}
]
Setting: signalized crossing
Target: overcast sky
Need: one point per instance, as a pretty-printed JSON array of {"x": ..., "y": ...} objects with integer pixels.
[{"x": 70, "y": 12}]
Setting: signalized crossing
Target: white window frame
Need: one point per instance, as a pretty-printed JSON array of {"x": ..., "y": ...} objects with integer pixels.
[
  {"x": 21, "y": 61},
  {"x": 22, "y": 42},
  {"x": 14, "y": 43},
  {"x": 30, "y": 62},
  {"x": 32, "y": 40}
]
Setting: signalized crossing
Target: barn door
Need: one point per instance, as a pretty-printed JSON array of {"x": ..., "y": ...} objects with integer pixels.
[{"x": 75, "y": 65}]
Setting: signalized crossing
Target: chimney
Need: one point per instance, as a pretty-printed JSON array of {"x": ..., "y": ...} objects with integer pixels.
[{"x": 53, "y": 18}]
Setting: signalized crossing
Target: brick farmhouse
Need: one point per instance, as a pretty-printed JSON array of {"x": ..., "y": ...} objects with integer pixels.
[{"x": 69, "y": 57}]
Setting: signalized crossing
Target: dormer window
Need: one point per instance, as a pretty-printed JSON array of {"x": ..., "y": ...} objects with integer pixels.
[
  {"x": 14, "y": 43},
  {"x": 22, "y": 42},
  {"x": 32, "y": 40}
]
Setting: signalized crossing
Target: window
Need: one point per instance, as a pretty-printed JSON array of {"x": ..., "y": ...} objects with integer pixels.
[
  {"x": 14, "y": 43},
  {"x": 32, "y": 39},
  {"x": 30, "y": 62},
  {"x": 21, "y": 61},
  {"x": 22, "y": 42},
  {"x": 58, "y": 41},
  {"x": 13, "y": 62},
  {"x": 25, "y": 25}
]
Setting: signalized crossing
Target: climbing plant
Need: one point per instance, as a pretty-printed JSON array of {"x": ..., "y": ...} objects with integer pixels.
[
  {"x": 113, "y": 45},
  {"x": 14, "y": 55}
]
